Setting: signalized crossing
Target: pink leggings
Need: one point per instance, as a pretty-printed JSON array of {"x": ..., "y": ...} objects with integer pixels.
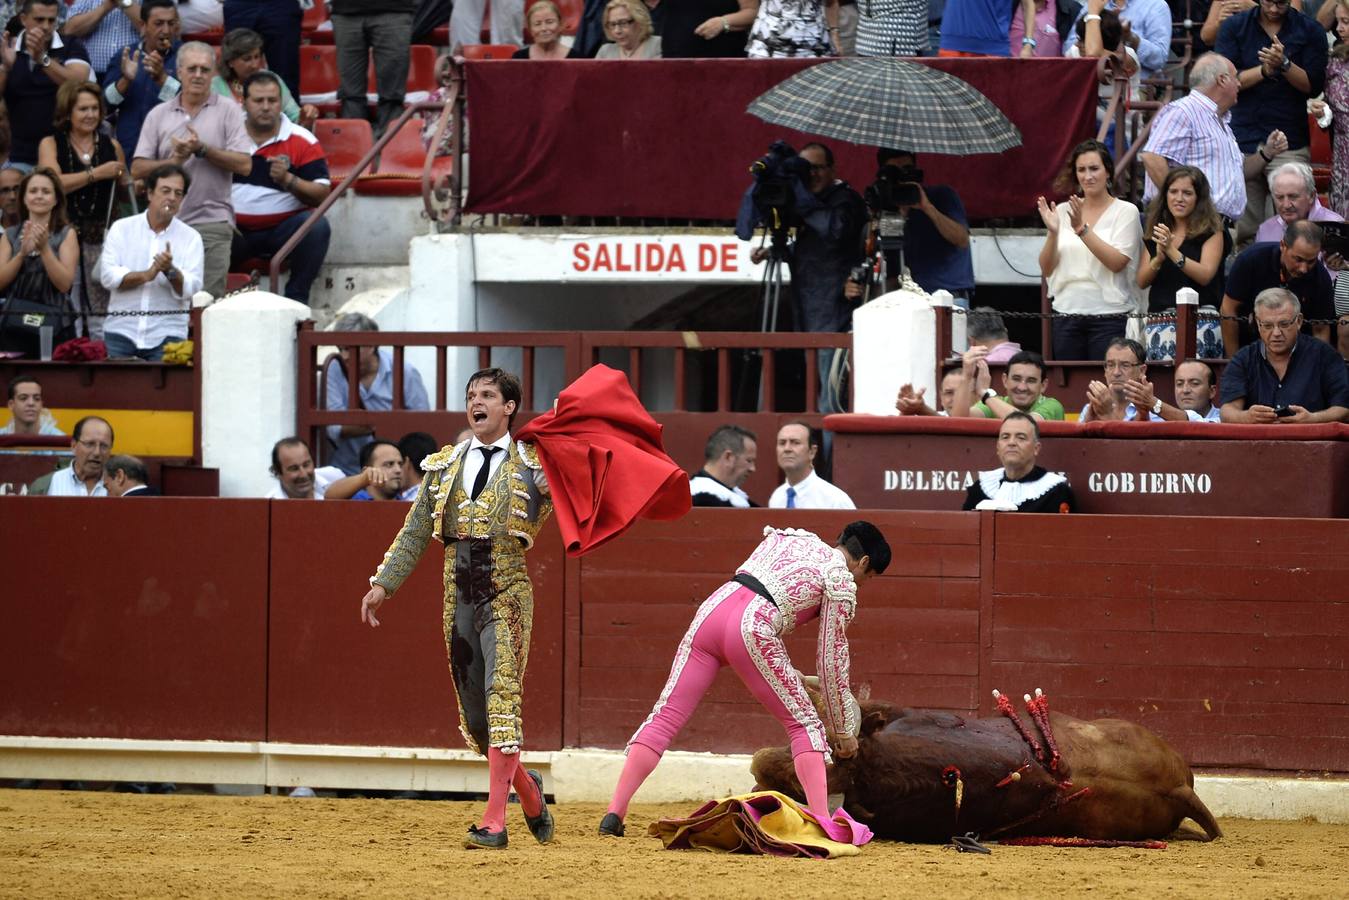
[{"x": 734, "y": 627}]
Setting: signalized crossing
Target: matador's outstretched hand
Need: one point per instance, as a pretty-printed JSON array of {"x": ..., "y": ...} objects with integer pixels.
[{"x": 371, "y": 602}]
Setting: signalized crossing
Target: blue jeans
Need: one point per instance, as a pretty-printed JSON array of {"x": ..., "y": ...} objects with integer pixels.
[
  {"x": 122, "y": 347},
  {"x": 305, "y": 259},
  {"x": 278, "y": 21},
  {"x": 1086, "y": 338}
]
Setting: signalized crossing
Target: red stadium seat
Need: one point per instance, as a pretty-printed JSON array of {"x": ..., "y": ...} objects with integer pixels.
[
  {"x": 344, "y": 141},
  {"x": 400, "y": 165},
  {"x": 315, "y": 16},
  {"x": 487, "y": 51},
  {"x": 318, "y": 69},
  {"x": 212, "y": 37}
]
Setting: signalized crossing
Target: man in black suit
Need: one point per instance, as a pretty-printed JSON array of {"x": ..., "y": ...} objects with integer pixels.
[{"x": 125, "y": 476}]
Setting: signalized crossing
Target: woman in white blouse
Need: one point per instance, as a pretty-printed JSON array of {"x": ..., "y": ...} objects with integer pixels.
[{"x": 1090, "y": 255}]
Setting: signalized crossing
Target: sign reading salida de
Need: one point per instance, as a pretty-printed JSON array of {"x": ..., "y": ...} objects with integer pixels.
[{"x": 683, "y": 257}]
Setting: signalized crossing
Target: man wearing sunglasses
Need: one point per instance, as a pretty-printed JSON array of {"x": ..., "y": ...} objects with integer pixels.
[{"x": 1280, "y": 56}]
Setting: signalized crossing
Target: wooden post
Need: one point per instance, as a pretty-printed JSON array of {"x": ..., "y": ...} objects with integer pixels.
[{"x": 1187, "y": 307}]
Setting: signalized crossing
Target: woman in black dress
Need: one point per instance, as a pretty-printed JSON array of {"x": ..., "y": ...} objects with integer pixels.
[
  {"x": 89, "y": 162},
  {"x": 1185, "y": 246}
]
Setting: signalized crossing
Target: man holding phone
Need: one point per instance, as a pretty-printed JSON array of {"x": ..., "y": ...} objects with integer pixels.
[{"x": 1285, "y": 377}]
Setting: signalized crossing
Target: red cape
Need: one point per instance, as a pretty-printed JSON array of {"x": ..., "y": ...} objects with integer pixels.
[{"x": 606, "y": 467}]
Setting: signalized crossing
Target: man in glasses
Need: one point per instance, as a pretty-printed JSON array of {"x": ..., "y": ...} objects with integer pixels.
[
  {"x": 1285, "y": 377},
  {"x": 1290, "y": 264},
  {"x": 92, "y": 442},
  {"x": 1121, "y": 396},
  {"x": 1280, "y": 56}
]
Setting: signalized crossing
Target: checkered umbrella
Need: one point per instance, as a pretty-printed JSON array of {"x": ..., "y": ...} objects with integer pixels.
[{"x": 888, "y": 102}]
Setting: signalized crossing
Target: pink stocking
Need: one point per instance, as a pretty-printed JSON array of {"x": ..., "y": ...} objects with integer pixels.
[
  {"x": 501, "y": 767},
  {"x": 640, "y": 763},
  {"x": 810, "y": 771},
  {"x": 531, "y": 797}
]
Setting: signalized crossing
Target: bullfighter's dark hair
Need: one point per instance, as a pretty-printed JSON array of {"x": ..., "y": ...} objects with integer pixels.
[{"x": 860, "y": 539}]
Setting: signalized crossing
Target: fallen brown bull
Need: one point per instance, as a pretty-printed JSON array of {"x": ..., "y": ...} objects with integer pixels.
[{"x": 927, "y": 776}]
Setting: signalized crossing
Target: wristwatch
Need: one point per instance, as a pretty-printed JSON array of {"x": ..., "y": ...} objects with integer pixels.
[
  {"x": 45, "y": 61},
  {"x": 1083, "y": 230},
  {"x": 1157, "y": 406},
  {"x": 1285, "y": 65},
  {"x": 199, "y": 152},
  {"x": 988, "y": 394}
]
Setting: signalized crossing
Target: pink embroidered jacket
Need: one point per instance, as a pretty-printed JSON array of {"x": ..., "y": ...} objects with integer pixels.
[{"x": 807, "y": 577}]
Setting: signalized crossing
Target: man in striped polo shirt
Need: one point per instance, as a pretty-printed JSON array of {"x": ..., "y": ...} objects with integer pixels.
[{"x": 289, "y": 178}]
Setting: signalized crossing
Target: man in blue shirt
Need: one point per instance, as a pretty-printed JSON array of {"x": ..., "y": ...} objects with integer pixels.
[
  {"x": 139, "y": 77},
  {"x": 1285, "y": 377},
  {"x": 1280, "y": 55},
  {"x": 1290, "y": 264},
  {"x": 33, "y": 65},
  {"x": 375, "y": 370}
]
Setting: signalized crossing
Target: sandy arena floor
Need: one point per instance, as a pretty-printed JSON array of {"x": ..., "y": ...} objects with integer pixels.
[{"x": 59, "y": 844}]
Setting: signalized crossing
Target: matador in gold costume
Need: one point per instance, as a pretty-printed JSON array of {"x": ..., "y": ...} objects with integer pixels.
[{"x": 485, "y": 499}]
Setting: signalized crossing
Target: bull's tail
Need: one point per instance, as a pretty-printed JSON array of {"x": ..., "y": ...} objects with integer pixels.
[{"x": 1194, "y": 808}]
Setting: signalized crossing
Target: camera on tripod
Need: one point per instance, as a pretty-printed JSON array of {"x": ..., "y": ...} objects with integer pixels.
[{"x": 778, "y": 175}]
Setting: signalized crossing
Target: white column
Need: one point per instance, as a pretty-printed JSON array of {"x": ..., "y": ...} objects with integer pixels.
[
  {"x": 248, "y": 348},
  {"x": 894, "y": 343}
]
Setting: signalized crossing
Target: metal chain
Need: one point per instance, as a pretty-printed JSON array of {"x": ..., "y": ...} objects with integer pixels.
[{"x": 1017, "y": 314}]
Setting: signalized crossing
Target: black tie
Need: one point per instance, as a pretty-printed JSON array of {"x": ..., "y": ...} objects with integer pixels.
[{"x": 481, "y": 481}]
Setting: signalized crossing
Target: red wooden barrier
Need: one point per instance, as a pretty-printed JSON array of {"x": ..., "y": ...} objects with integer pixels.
[
  {"x": 136, "y": 619},
  {"x": 335, "y": 680},
  {"x": 1226, "y": 636},
  {"x": 237, "y": 620}
]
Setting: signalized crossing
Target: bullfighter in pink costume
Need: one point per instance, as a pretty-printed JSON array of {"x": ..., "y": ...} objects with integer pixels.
[{"x": 789, "y": 579}]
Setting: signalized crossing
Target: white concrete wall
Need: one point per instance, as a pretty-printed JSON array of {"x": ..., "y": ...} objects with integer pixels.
[{"x": 248, "y": 348}]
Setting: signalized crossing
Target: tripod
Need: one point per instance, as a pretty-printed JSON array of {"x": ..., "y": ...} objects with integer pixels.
[
  {"x": 770, "y": 287},
  {"x": 887, "y": 236}
]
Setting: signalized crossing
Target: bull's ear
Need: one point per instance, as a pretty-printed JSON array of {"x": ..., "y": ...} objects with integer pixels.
[{"x": 872, "y": 722}]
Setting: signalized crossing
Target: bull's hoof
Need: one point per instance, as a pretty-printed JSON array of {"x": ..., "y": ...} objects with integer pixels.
[
  {"x": 611, "y": 825},
  {"x": 482, "y": 839}
]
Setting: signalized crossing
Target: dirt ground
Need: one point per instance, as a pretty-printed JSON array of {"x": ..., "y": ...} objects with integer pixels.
[{"x": 57, "y": 844}]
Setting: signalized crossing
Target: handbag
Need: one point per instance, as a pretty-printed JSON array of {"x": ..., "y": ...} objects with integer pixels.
[{"x": 21, "y": 322}]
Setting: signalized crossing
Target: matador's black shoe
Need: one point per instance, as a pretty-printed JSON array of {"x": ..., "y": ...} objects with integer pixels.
[
  {"x": 611, "y": 825},
  {"x": 541, "y": 826},
  {"x": 482, "y": 839}
]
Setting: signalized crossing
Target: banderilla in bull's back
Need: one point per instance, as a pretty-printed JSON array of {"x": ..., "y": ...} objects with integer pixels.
[{"x": 926, "y": 776}]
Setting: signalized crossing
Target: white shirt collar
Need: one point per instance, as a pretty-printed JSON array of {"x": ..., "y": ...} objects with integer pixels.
[
  {"x": 57, "y": 43},
  {"x": 502, "y": 443},
  {"x": 803, "y": 484}
]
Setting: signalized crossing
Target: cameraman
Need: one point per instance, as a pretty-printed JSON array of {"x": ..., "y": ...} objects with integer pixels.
[
  {"x": 936, "y": 236},
  {"x": 828, "y": 244}
]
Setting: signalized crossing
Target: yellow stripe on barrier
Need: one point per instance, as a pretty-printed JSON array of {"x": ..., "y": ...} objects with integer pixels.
[{"x": 140, "y": 432}]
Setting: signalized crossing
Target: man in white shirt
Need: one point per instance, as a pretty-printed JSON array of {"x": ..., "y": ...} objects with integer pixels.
[
  {"x": 803, "y": 489},
  {"x": 296, "y": 477},
  {"x": 91, "y": 443},
  {"x": 151, "y": 263}
]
